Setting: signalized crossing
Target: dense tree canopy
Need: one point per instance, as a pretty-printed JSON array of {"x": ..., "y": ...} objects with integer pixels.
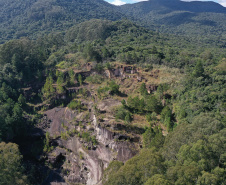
[{"x": 10, "y": 165}]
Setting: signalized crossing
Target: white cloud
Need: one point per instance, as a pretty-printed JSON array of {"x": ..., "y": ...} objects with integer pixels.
[
  {"x": 121, "y": 2},
  {"x": 222, "y": 2},
  {"x": 118, "y": 2}
]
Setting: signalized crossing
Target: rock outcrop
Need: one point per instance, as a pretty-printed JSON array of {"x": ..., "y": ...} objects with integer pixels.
[
  {"x": 82, "y": 144},
  {"x": 78, "y": 160}
]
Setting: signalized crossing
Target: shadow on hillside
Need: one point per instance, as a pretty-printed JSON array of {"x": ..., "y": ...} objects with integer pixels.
[
  {"x": 122, "y": 94},
  {"x": 180, "y": 18},
  {"x": 34, "y": 161}
]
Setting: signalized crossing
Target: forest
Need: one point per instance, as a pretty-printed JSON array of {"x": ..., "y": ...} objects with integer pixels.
[
  {"x": 183, "y": 140},
  {"x": 35, "y": 18}
]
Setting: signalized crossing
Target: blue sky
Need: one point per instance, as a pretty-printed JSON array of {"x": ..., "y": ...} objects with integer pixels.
[{"x": 121, "y": 2}]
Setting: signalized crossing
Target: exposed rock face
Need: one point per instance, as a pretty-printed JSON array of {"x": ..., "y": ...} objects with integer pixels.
[
  {"x": 59, "y": 117},
  {"x": 76, "y": 157},
  {"x": 81, "y": 163}
]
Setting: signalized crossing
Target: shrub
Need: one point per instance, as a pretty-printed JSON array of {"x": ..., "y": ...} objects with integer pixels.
[
  {"x": 123, "y": 114},
  {"x": 75, "y": 105}
]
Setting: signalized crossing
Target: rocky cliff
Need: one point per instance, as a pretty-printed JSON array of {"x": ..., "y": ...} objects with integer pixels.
[
  {"x": 80, "y": 143},
  {"x": 75, "y": 158}
]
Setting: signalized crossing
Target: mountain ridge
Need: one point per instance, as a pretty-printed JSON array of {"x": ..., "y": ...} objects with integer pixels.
[
  {"x": 38, "y": 17},
  {"x": 175, "y": 16},
  {"x": 34, "y": 18},
  {"x": 193, "y": 6}
]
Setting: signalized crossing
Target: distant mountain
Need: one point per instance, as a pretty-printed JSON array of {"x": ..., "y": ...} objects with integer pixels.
[
  {"x": 35, "y": 17},
  {"x": 175, "y": 16},
  {"x": 167, "y": 6}
]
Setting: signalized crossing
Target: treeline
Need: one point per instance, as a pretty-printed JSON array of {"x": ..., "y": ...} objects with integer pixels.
[{"x": 131, "y": 44}]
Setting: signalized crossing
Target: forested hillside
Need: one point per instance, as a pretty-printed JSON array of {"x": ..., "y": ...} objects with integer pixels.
[
  {"x": 160, "y": 98},
  {"x": 179, "y": 17},
  {"x": 34, "y": 18},
  {"x": 37, "y": 17}
]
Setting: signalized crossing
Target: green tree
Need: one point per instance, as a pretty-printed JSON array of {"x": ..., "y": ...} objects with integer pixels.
[
  {"x": 111, "y": 170},
  {"x": 17, "y": 112},
  {"x": 136, "y": 104},
  {"x": 108, "y": 65},
  {"x": 124, "y": 103},
  {"x": 143, "y": 90},
  {"x": 60, "y": 81},
  {"x": 161, "y": 89},
  {"x": 80, "y": 79},
  {"x": 72, "y": 77},
  {"x": 207, "y": 179},
  {"x": 11, "y": 171},
  {"x": 138, "y": 169},
  {"x": 166, "y": 113},
  {"x": 198, "y": 70},
  {"x": 114, "y": 87},
  {"x": 154, "y": 50},
  {"x": 105, "y": 53},
  {"x": 22, "y": 100},
  {"x": 158, "y": 179},
  {"x": 128, "y": 118},
  {"x": 90, "y": 53},
  {"x": 48, "y": 89},
  {"x": 153, "y": 105},
  {"x": 75, "y": 105},
  {"x": 153, "y": 138},
  {"x": 16, "y": 61},
  {"x": 123, "y": 114}
]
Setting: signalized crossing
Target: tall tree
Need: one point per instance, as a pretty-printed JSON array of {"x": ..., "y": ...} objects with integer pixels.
[
  {"x": 11, "y": 171},
  {"x": 198, "y": 70}
]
